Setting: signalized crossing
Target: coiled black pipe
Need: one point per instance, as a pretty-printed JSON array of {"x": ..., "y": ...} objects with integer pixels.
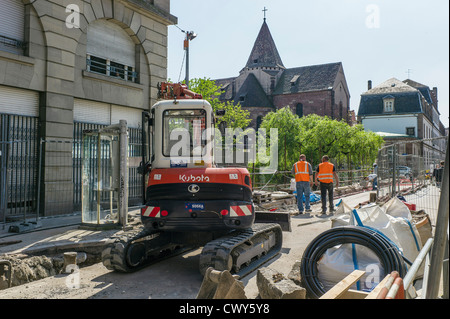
[{"x": 389, "y": 255}]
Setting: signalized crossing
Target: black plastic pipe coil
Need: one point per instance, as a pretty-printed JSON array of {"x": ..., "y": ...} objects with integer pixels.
[{"x": 389, "y": 255}]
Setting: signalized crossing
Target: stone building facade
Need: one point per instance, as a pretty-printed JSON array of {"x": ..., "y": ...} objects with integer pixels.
[
  {"x": 66, "y": 63},
  {"x": 265, "y": 85}
]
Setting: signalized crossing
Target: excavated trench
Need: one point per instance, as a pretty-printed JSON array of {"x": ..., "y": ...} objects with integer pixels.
[{"x": 25, "y": 269}]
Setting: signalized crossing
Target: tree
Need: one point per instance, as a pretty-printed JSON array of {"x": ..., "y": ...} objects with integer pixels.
[
  {"x": 315, "y": 136},
  {"x": 289, "y": 129},
  {"x": 235, "y": 116}
]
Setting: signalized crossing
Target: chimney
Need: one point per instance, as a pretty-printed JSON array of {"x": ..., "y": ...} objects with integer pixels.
[
  {"x": 435, "y": 97},
  {"x": 369, "y": 85}
]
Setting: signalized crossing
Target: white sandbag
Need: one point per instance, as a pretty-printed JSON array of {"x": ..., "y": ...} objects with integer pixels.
[
  {"x": 396, "y": 208},
  {"x": 392, "y": 220},
  {"x": 341, "y": 260}
]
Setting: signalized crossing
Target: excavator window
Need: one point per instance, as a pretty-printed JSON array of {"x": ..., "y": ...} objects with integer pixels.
[{"x": 182, "y": 133}]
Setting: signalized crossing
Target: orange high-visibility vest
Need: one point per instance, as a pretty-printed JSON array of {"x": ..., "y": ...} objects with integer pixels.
[
  {"x": 301, "y": 171},
  {"x": 325, "y": 172}
]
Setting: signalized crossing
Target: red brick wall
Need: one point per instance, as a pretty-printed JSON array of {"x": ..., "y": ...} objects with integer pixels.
[
  {"x": 313, "y": 102},
  {"x": 318, "y": 102}
]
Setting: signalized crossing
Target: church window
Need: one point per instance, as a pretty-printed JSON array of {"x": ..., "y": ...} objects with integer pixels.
[
  {"x": 299, "y": 109},
  {"x": 258, "y": 122}
]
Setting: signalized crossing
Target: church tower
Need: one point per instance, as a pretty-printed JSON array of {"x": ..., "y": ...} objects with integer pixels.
[
  {"x": 264, "y": 84},
  {"x": 264, "y": 61}
]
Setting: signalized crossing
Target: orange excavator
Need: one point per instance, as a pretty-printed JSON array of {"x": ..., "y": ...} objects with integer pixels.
[{"x": 188, "y": 200}]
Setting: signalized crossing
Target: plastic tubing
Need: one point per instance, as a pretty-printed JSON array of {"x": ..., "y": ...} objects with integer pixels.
[{"x": 388, "y": 254}]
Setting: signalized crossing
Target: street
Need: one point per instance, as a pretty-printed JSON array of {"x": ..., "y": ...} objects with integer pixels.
[{"x": 174, "y": 278}]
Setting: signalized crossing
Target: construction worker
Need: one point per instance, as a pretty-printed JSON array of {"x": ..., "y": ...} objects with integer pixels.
[
  {"x": 303, "y": 173},
  {"x": 325, "y": 173}
]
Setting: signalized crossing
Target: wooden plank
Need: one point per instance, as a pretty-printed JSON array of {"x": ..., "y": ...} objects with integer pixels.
[
  {"x": 354, "y": 294},
  {"x": 375, "y": 291},
  {"x": 341, "y": 287}
]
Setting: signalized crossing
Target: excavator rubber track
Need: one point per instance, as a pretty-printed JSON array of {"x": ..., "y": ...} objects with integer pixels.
[
  {"x": 138, "y": 248},
  {"x": 241, "y": 252}
]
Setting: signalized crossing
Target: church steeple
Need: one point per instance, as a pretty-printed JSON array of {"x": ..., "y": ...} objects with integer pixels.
[{"x": 264, "y": 52}]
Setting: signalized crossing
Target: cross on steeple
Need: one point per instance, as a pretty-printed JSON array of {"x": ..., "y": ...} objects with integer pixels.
[
  {"x": 264, "y": 10},
  {"x": 409, "y": 73}
]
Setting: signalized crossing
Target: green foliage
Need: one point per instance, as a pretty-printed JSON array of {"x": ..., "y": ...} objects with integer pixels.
[
  {"x": 235, "y": 116},
  {"x": 315, "y": 136}
]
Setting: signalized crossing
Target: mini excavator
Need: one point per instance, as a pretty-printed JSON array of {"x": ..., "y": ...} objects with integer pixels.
[{"x": 189, "y": 202}]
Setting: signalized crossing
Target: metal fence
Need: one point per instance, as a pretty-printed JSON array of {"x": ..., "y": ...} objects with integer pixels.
[
  {"x": 18, "y": 166},
  {"x": 409, "y": 169},
  {"x": 56, "y": 163}
]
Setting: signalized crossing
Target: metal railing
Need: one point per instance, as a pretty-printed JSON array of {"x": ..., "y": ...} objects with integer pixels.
[
  {"x": 18, "y": 166},
  {"x": 110, "y": 68},
  {"x": 412, "y": 171}
]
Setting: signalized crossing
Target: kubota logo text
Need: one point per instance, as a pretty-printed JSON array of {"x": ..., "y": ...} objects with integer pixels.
[{"x": 192, "y": 178}]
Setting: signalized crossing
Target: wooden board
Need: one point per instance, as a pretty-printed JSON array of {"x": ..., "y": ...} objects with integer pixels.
[{"x": 344, "y": 285}]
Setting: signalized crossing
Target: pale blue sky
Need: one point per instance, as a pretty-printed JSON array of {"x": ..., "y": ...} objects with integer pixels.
[{"x": 374, "y": 39}]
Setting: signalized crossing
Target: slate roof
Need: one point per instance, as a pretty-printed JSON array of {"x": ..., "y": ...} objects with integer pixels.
[
  {"x": 264, "y": 52},
  {"x": 226, "y": 88},
  {"x": 405, "y": 102},
  {"x": 252, "y": 93},
  {"x": 407, "y": 99},
  {"x": 307, "y": 78},
  {"x": 391, "y": 86},
  {"x": 424, "y": 89}
]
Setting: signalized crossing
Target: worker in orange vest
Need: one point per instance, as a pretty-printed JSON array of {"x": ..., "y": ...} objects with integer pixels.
[
  {"x": 325, "y": 173},
  {"x": 303, "y": 173}
]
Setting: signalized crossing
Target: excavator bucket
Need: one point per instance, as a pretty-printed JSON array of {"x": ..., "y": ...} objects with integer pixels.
[{"x": 221, "y": 285}]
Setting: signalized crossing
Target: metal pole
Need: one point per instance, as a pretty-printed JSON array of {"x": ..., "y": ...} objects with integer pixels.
[
  {"x": 38, "y": 203},
  {"x": 394, "y": 175},
  {"x": 445, "y": 267},
  {"x": 123, "y": 173},
  {"x": 407, "y": 281},
  {"x": 441, "y": 234},
  {"x": 186, "y": 45}
]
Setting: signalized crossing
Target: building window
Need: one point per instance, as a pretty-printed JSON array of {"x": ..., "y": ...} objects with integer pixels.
[
  {"x": 110, "y": 68},
  {"x": 388, "y": 105},
  {"x": 258, "y": 122},
  {"x": 110, "y": 51},
  {"x": 12, "y": 22},
  {"x": 410, "y": 131},
  {"x": 299, "y": 109}
]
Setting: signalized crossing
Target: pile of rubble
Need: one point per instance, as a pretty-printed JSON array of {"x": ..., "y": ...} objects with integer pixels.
[{"x": 271, "y": 285}]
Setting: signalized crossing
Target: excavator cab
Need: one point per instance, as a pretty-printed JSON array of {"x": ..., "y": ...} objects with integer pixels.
[{"x": 185, "y": 191}]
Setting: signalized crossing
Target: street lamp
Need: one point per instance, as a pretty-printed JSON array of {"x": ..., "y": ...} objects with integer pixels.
[{"x": 190, "y": 35}]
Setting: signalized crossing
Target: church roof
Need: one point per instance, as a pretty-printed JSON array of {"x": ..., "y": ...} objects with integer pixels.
[
  {"x": 252, "y": 94},
  {"x": 308, "y": 78},
  {"x": 264, "y": 52}
]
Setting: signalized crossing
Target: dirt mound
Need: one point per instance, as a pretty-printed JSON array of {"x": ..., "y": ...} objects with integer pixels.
[{"x": 25, "y": 270}]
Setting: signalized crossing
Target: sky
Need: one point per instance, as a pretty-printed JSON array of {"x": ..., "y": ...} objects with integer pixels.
[{"x": 374, "y": 39}]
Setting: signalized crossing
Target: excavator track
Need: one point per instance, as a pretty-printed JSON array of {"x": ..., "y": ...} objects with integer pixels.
[
  {"x": 138, "y": 248},
  {"x": 241, "y": 252}
]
